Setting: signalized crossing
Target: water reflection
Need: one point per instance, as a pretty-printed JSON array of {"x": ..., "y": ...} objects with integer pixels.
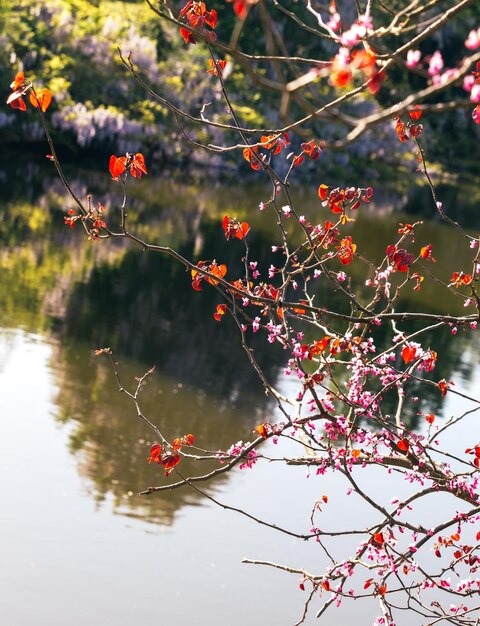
[
  {"x": 89, "y": 294},
  {"x": 112, "y": 445}
]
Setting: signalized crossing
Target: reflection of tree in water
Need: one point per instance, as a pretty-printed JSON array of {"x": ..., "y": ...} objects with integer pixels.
[
  {"x": 144, "y": 307},
  {"x": 113, "y": 445}
]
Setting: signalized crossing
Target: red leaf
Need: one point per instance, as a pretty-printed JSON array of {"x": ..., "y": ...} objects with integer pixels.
[
  {"x": 187, "y": 36},
  {"x": 117, "y": 166},
  {"x": 430, "y": 418},
  {"x": 416, "y": 113},
  {"x": 403, "y": 445},
  {"x": 322, "y": 191},
  {"x": 155, "y": 454},
  {"x": 16, "y": 101},
  {"x": 326, "y": 585},
  {"x": 476, "y": 114},
  {"x": 400, "y": 130},
  {"x": 378, "y": 539},
  {"x": 41, "y": 98},
  {"x": 220, "y": 311},
  {"x": 170, "y": 460},
  {"x": 408, "y": 353},
  {"x": 137, "y": 165}
]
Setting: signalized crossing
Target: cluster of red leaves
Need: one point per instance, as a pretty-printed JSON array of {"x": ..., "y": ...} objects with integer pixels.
[
  {"x": 476, "y": 451},
  {"x": 335, "y": 345},
  {"x": 339, "y": 200},
  {"x": 379, "y": 590},
  {"x": 184, "y": 440},
  {"x": 265, "y": 290},
  {"x": 164, "y": 456},
  {"x": 363, "y": 62},
  {"x": 346, "y": 250},
  {"x": 220, "y": 312},
  {"x": 210, "y": 267},
  {"x": 426, "y": 253},
  {"x": 40, "y": 99},
  {"x": 234, "y": 228},
  {"x": 271, "y": 143},
  {"x": 462, "y": 552},
  {"x": 217, "y": 68},
  {"x": 264, "y": 430},
  {"x": 94, "y": 218},
  {"x": 400, "y": 258},
  {"x": 317, "y": 347},
  {"x": 134, "y": 163},
  {"x": 460, "y": 278},
  {"x": 444, "y": 386},
  {"x": 311, "y": 149},
  {"x": 198, "y": 17},
  {"x": 403, "y": 129}
]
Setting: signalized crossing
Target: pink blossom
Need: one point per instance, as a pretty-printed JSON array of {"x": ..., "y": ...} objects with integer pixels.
[
  {"x": 287, "y": 210},
  {"x": 341, "y": 276},
  {"x": 436, "y": 63},
  {"x": 334, "y": 22},
  {"x": 256, "y": 324},
  {"x": 413, "y": 58},
  {"x": 250, "y": 460},
  {"x": 473, "y": 40},
  {"x": 475, "y": 93},
  {"x": 262, "y": 206},
  {"x": 468, "y": 82},
  {"x": 473, "y": 325}
]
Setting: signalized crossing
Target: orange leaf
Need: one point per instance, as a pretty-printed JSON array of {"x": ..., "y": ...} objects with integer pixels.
[
  {"x": 17, "y": 81},
  {"x": 356, "y": 453},
  {"x": 41, "y": 98}
]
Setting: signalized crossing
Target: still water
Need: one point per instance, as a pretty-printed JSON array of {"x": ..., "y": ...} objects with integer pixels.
[{"x": 79, "y": 546}]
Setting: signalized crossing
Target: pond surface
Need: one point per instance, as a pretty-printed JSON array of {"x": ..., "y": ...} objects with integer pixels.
[{"x": 78, "y": 545}]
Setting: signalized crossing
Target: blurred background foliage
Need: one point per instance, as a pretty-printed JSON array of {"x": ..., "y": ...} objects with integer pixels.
[{"x": 71, "y": 47}]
